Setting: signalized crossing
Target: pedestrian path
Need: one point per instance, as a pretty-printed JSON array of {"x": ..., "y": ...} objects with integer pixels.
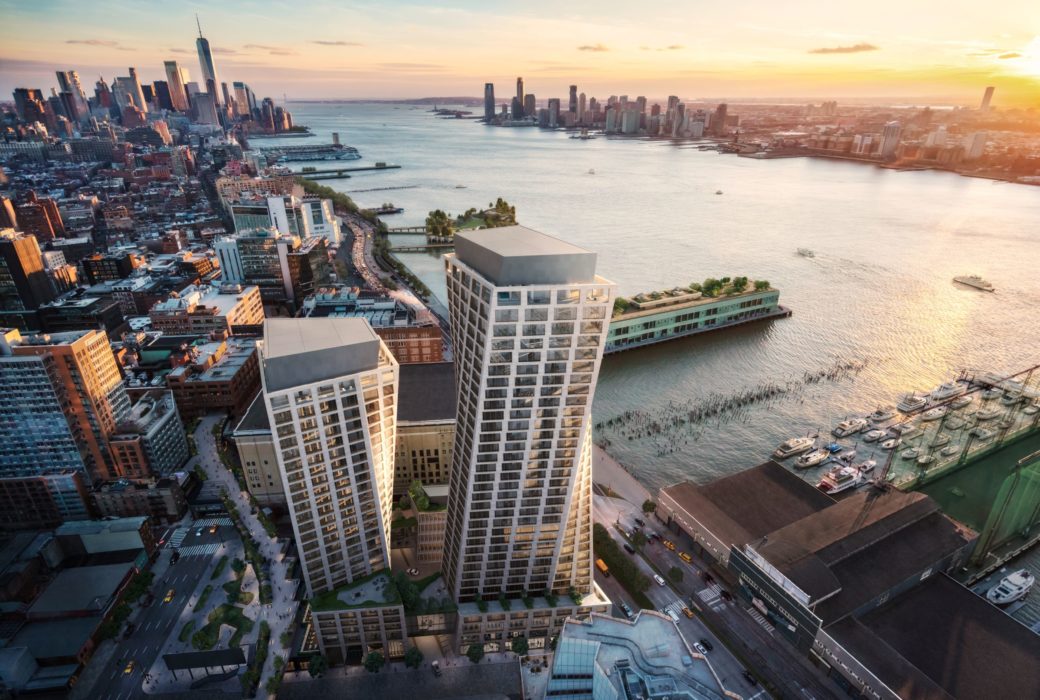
[
  {"x": 761, "y": 620},
  {"x": 195, "y": 550}
]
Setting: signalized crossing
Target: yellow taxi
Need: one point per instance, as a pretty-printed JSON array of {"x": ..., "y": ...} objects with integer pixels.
[
  {"x": 129, "y": 667},
  {"x": 687, "y": 612},
  {"x": 668, "y": 545},
  {"x": 169, "y": 596},
  {"x": 686, "y": 557}
]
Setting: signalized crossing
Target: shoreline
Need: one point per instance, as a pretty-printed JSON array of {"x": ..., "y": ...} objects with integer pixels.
[{"x": 607, "y": 471}]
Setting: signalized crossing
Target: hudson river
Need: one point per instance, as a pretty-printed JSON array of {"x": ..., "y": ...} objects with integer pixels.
[{"x": 875, "y": 309}]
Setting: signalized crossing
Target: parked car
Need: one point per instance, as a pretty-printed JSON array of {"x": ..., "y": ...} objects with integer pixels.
[
  {"x": 726, "y": 595},
  {"x": 640, "y": 522},
  {"x": 625, "y": 609},
  {"x": 660, "y": 581},
  {"x": 629, "y": 548},
  {"x": 749, "y": 677},
  {"x": 706, "y": 644},
  {"x": 671, "y": 614},
  {"x": 436, "y": 668},
  {"x": 698, "y": 647}
]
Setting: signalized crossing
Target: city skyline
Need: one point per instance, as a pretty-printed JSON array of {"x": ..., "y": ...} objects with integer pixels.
[{"x": 406, "y": 50}]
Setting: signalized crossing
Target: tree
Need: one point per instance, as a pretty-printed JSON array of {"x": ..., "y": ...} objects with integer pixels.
[
  {"x": 649, "y": 506},
  {"x": 675, "y": 573},
  {"x": 413, "y": 658},
  {"x": 519, "y": 646},
  {"x": 318, "y": 665},
  {"x": 638, "y": 539},
  {"x": 761, "y": 285},
  {"x": 374, "y": 662},
  {"x": 475, "y": 652}
]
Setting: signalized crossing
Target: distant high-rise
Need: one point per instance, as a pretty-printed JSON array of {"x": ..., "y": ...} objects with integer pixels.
[
  {"x": 245, "y": 101},
  {"x": 581, "y": 107},
  {"x": 204, "y": 108},
  {"x": 520, "y": 93},
  {"x": 572, "y": 102},
  {"x": 987, "y": 97},
  {"x": 330, "y": 389},
  {"x": 489, "y": 102},
  {"x": 890, "y": 139},
  {"x": 517, "y": 108},
  {"x": 209, "y": 70},
  {"x": 29, "y": 104},
  {"x": 554, "y": 112},
  {"x": 718, "y": 120},
  {"x": 178, "y": 95},
  {"x": 162, "y": 95},
  {"x": 530, "y": 105},
  {"x": 534, "y": 317},
  {"x": 73, "y": 99}
]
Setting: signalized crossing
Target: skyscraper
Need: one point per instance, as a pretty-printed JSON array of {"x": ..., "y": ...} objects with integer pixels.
[
  {"x": 581, "y": 107},
  {"x": 986, "y": 98},
  {"x": 139, "y": 97},
  {"x": 520, "y": 93},
  {"x": 890, "y": 139},
  {"x": 718, "y": 120},
  {"x": 73, "y": 98},
  {"x": 178, "y": 96},
  {"x": 529, "y": 315},
  {"x": 572, "y": 102},
  {"x": 330, "y": 388},
  {"x": 530, "y": 105},
  {"x": 554, "y": 112},
  {"x": 489, "y": 102},
  {"x": 209, "y": 70},
  {"x": 95, "y": 401},
  {"x": 24, "y": 283}
]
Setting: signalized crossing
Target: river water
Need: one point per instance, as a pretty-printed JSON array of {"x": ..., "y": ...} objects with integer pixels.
[{"x": 876, "y": 312}]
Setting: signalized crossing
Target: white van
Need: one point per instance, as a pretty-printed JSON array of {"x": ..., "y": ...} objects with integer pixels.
[
  {"x": 660, "y": 581},
  {"x": 671, "y": 614}
]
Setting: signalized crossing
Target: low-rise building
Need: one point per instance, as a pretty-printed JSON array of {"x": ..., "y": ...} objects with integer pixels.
[
  {"x": 43, "y": 499},
  {"x": 220, "y": 376},
  {"x": 606, "y": 657},
  {"x": 202, "y": 310},
  {"x": 655, "y": 317},
  {"x": 430, "y": 505},
  {"x": 151, "y": 441},
  {"x": 162, "y": 500},
  {"x": 256, "y": 454},
  {"x": 412, "y": 337},
  {"x": 359, "y": 617}
]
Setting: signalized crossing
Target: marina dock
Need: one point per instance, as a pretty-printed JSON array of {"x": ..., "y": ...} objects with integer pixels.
[{"x": 339, "y": 173}]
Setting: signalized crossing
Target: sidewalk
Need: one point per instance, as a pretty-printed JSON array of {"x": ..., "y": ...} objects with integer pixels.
[{"x": 606, "y": 471}]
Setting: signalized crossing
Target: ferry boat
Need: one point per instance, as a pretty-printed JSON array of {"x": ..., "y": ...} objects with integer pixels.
[
  {"x": 329, "y": 151},
  {"x": 1011, "y": 588},
  {"x": 934, "y": 413},
  {"x": 850, "y": 426},
  {"x": 975, "y": 281},
  {"x": 912, "y": 402},
  {"x": 794, "y": 446},
  {"x": 811, "y": 459},
  {"x": 840, "y": 479},
  {"x": 881, "y": 414},
  {"x": 947, "y": 391},
  {"x": 874, "y": 435}
]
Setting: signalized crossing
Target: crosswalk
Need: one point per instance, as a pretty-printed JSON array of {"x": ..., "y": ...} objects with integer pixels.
[
  {"x": 195, "y": 550},
  {"x": 712, "y": 597},
  {"x": 760, "y": 619},
  {"x": 206, "y": 522},
  {"x": 676, "y": 606},
  {"x": 178, "y": 536}
]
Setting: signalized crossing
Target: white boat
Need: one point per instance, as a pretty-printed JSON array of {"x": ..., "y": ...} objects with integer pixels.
[
  {"x": 881, "y": 414},
  {"x": 941, "y": 439},
  {"x": 1011, "y": 588},
  {"x": 874, "y": 435},
  {"x": 988, "y": 413},
  {"x": 975, "y": 281},
  {"x": 950, "y": 450},
  {"x": 948, "y": 391},
  {"x": 1011, "y": 398},
  {"x": 909, "y": 453},
  {"x": 960, "y": 402},
  {"x": 981, "y": 434},
  {"x": 906, "y": 430},
  {"x": 925, "y": 460},
  {"x": 793, "y": 446},
  {"x": 850, "y": 426},
  {"x": 840, "y": 479},
  {"x": 992, "y": 393},
  {"x": 806, "y": 253},
  {"x": 1032, "y": 409},
  {"x": 866, "y": 467},
  {"x": 1006, "y": 424},
  {"x": 912, "y": 402},
  {"x": 954, "y": 423},
  {"x": 934, "y": 413},
  {"x": 847, "y": 456},
  {"x": 811, "y": 459},
  {"x": 890, "y": 444}
]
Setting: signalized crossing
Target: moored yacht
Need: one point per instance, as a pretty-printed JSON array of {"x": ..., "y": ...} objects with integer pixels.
[
  {"x": 874, "y": 435},
  {"x": 912, "y": 402},
  {"x": 909, "y": 453},
  {"x": 948, "y": 391},
  {"x": 960, "y": 402},
  {"x": 950, "y": 450},
  {"x": 840, "y": 479},
  {"x": 941, "y": 439},
  {"x": 954, "y": 423},
  {"x": 881, "y": 414},
  {"x": 1011, "y": 588},
  {"x": 811, "y": 459},
  {"x": 988, "y": 413},
  {"x": 934, "y": 413},
  {"x": 867, "y": 467},
  {"x": 850, "y": 426},
  {"x": 790, "y": 448},
  {"x": 890, "y": 444}
]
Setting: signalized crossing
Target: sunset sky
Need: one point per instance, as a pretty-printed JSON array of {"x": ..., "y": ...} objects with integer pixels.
[{"x": 912, "y": 50}]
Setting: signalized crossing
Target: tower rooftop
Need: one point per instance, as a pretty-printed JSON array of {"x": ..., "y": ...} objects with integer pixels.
[
  {"x": 517, "y": 255},
  {"x": 300, "y": 351}
]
